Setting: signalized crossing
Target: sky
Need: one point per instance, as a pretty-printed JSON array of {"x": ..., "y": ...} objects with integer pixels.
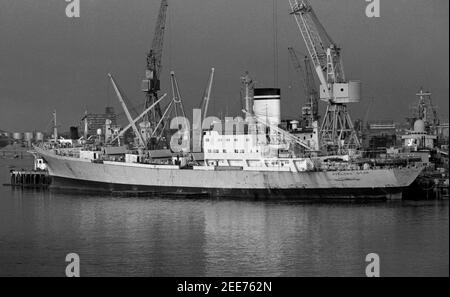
[{"x": 51, "y": 62}]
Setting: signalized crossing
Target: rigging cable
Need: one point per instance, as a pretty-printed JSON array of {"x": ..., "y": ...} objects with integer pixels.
[
  {"x": 275, "y": 42},
  {"x": 169, "y": 33}
]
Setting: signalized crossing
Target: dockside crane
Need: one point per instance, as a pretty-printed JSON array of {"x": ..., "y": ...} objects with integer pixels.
[
  {"x": 310, "y": 112},
  {"x": 337, "y": 131},
  {"x": 151, "y": 82}
]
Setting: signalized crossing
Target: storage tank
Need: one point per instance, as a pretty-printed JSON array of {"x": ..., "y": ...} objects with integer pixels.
[
  {"x": 39, "y": 136},
  {"x": 28, "y": 136},
  {"x": 266, "y": 105},
  {"x": 17, "y": 136}
]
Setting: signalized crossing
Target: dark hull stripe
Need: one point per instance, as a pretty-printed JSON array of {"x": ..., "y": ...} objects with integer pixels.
[{"x": 82, "y": 186}]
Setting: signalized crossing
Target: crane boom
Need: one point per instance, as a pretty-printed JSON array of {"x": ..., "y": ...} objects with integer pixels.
[
  {"x": 306, "y": 74},
  {"x": 324, "y": 53},
  {"x": 162, "y": 118},
  {"x": 205, "y": 101},
  {"x": 130, "y": 125},
  {"x": 125, "y": 109},
  {"x": 313, "y": 93},
  {"x": 176, "y": 96},
  {"x": 151, "y": 82},
  {"x": 298, "y": 67},
  {"x": 154, "y": 60}
]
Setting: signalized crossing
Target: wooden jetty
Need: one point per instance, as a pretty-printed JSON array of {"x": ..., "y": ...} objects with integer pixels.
[{"x": 29, "y": 178}]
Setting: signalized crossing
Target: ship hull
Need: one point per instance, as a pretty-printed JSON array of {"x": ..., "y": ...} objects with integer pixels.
[
  {"x": 84, "y": 186},
  {"x": 82, "y": 175}
]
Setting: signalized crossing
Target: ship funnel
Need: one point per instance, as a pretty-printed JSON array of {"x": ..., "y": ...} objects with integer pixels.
[{"x": 266, "y": 105}]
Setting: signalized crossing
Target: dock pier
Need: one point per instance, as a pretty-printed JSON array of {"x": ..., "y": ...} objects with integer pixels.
[{"x": 30, "y": 178}]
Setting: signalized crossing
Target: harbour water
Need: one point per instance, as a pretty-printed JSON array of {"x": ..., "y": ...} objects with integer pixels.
[{"x": 126, "y": 236}]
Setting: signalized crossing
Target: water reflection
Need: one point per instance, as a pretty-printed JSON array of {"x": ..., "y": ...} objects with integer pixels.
[{"x": 185, "y": 237}]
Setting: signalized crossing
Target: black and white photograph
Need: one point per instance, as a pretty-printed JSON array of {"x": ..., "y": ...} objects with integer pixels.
[{"x": 223, "y": 145}]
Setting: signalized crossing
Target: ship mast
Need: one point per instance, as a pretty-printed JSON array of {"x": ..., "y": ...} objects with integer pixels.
[
  {"x": 248, "y": 86},
  {"x": 426, "y": 110},
  {"x": 55, "y": 127}
]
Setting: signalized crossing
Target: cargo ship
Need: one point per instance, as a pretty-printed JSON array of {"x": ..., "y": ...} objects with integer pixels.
[
  {"x": 253, "y": 158},
  {"x": 261, "y": 160},
  {"x": 233, "y": 165},
  {"x": 276, "y": 181}
]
